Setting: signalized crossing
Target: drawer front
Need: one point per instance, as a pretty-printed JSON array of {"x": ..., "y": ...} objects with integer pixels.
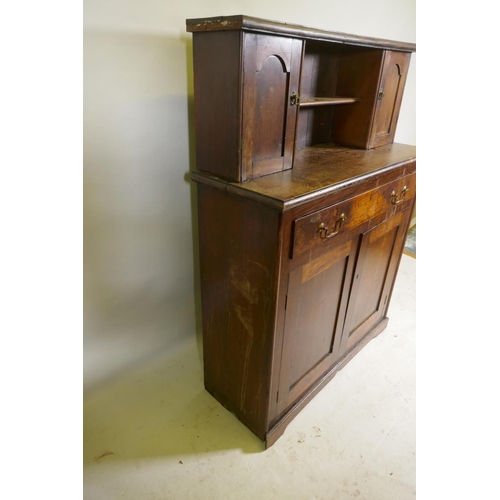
[{"x": 330, "y": 223}]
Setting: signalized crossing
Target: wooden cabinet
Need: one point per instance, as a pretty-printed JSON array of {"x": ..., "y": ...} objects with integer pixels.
[{"x": 303, "y": 206}]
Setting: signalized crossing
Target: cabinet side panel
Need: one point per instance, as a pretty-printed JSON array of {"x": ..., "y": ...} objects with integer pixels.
[
  {"x": 216, "y": 59},
  {"x": 239, "y": 257}
]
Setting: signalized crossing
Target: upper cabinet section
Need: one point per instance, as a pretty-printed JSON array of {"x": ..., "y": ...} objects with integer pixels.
[
  {"x": 264, "y": 90},
  {"x": 246, "y": 88}
]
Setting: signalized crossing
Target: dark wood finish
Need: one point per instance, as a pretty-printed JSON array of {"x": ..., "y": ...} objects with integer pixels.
[
  {"x": 322, "y": 170},
  {"x": 245, "y": 119},
  {"x": 357, "y": 210},
  {"x": 259, "y": 98},
  {"x": 271, "y": 68},
  {"x": 265, "y": 306},
  {"x": 377, "y": 78},
  {"x": 390, "y": 95},
  {"x": 359, "y": 76},
  {"x": 314, "y": 126},
  {"x": 320, "y": 69},
  {"x": 300, "y": 238},
  {"x": 238, "y": 265},
  {"x": 249, "y": 23},
  {"x": 217, "y": 92},
  {"x": 319, "y": 75},
  {"x": 316, "y": 302},
  {"x": 376, "y": 267}
]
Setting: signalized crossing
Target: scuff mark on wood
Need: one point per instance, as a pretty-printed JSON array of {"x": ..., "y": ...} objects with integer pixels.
[
  {"x": 246, "y": 321},
  {"x": 105, "y": 454},
  {"x": 240, "y": 282}
]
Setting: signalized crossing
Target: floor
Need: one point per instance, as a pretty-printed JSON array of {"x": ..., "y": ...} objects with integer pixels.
[
  {"x": 156, "y": 434},
  {"x": 411, "y": 242}
]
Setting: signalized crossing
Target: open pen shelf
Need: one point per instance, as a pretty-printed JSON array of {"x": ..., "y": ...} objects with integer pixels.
[{"x": 327, "y": 101}]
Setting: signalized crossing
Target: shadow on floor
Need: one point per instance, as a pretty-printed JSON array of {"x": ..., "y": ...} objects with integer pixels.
[{"x": 160, "y": 410}]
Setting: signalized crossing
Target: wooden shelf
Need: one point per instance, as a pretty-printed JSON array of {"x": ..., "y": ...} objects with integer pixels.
[{"x": 327, "y": 101}]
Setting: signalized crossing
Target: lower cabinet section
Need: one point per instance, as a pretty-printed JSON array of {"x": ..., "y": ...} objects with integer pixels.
[
  {"x": 333, "y": 302},
  {"x": 289, "y": 296}
]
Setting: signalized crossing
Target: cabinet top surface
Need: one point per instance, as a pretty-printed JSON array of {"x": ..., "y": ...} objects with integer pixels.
[
  {"x": 248, "y": 23},
  {"x": 318, "y": 171}
]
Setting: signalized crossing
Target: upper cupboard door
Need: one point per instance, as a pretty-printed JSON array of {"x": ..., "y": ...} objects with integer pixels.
[
  {"x": 389, "y": 97},
  {"x": 271, "y": 73}
]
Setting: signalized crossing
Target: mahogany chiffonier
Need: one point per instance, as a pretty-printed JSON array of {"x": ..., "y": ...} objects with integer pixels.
[{"x": 304, "y": 202}]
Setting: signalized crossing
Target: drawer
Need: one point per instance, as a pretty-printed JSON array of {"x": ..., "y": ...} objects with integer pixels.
[{"x": 332, "y": 222}]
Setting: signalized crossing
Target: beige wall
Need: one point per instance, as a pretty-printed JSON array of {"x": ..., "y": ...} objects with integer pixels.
[{"x": 140, "y": 269}]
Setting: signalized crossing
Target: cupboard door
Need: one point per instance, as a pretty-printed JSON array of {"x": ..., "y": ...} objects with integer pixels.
[
  {"x": 271, "y": 71},
  {"x": 314, "y": 317},
  {"x": 378, "y": 259},
  {"x": 389, "y": 97}
]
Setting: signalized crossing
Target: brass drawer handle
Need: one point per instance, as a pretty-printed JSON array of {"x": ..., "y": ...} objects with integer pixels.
[
  {"x": 394, "y": 196},
  {"x": 323, "y": 230},
  {"x": 294, "y": 99}
]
